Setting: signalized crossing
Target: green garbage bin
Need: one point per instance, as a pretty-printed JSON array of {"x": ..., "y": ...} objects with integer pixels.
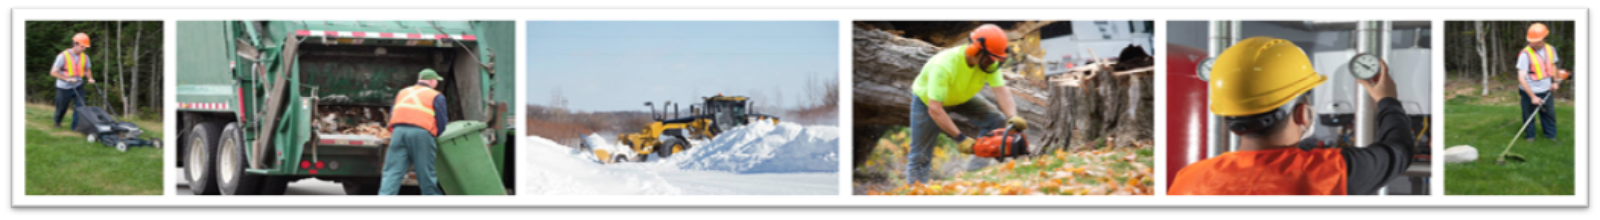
[{"x": 464, "y": 163}]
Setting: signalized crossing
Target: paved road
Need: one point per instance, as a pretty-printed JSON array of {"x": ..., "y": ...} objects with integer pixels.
[{"x": 302, "y": 187}]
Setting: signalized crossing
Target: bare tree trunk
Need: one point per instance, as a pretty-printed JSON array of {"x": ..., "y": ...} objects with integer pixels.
[
  {"x": 122, "y": 88},
  {"x": 1493, "y": 48},
  {"x": 138, "y": 34},
  {"x": 105, "y": 68},
  {"x": 1482, "y": 57},
  {"x": 155, "y": 84}
]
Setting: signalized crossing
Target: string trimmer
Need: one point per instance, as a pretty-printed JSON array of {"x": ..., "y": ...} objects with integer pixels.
[{"x": 1507, "y": 154}]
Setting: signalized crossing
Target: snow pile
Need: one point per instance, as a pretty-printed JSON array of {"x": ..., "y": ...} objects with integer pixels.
[
  {"x": 560, "y": 170},
  {"x": 766, "y": 148}
]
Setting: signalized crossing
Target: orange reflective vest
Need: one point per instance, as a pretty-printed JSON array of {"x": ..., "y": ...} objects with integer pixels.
[
  {"x": 1538, "y": 65},
  {"x": 1289, "y": 171},
  {"x": 75, "y": 65},
  {"x": 414, "y": 106}
]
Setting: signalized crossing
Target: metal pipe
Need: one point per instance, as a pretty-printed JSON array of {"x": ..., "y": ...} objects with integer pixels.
[
  {"x": 1366, "y": 41},
  {"x": 1384, "y": 32},
  {"x": 1213, "y": 47},
  {"x": 1235, "y": 34},
  {"x": 1222, "y": 35}
]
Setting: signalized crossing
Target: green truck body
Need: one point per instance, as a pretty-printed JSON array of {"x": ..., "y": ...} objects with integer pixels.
[{"x": 250, "y": 92}]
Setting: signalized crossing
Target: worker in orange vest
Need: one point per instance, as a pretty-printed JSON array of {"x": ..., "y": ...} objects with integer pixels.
[
  {"x": 71, "y": 69},
  {"x": 1536, "y": 69},
  {"x": 1261, "y": 86},
  {"x": 418, "y": 119}
]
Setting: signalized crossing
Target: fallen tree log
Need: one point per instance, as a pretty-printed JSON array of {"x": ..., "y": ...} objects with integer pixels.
[{"x": 884, "y": 65}]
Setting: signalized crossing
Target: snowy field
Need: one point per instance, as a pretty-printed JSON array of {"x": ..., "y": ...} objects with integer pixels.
[{"x": 757, "y": 159}]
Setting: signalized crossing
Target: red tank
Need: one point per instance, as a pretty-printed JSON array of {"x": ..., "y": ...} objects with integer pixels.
[{"x": 1186, "y": 109}]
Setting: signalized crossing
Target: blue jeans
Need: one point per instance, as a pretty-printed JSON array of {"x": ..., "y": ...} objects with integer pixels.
[
  {"x": 925, "y": 132},
  {"x": 1547, "y": 114},
  {"x": 68, "y": 99},
  {"x": 410, "y": 147}
]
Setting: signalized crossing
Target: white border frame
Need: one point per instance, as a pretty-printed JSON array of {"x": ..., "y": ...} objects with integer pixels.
[{"x": 845, "y": 17}]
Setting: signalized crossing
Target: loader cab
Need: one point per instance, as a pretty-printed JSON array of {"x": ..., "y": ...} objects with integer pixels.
[{"x": 728, "y": 111}]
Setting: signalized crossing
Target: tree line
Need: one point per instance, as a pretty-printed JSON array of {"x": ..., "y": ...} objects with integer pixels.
[
  {"x": 125, "y": 59},
  {"x": 1487, "y": 50}
]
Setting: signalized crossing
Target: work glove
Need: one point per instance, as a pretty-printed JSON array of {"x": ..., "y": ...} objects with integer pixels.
[
  {"x": 1017, "y": 123},
  {"x": 964, "y": 144}
]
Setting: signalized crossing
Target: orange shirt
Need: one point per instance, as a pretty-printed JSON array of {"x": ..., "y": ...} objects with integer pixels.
[{"x": 1288, "y": 171}]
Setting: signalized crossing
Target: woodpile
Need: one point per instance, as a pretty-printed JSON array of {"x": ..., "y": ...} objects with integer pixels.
[{"x": 1062, "y": 108}]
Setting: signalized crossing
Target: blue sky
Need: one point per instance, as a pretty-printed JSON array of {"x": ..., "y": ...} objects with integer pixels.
[{"x": 618, "y": 65}]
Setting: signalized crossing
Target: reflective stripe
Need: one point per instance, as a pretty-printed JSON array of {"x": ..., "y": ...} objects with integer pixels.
[
  {"x": 74, "y": 64},
  {"x": 410, "y": 100},
  {"x": 1537, "y": 63}
]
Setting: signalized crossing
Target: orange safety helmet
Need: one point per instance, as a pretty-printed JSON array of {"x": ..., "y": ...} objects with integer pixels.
[
  {"x": 990, "y": 39},
  {"x": 81, "y": 38},
  {"x": 1537, "y": 31}
]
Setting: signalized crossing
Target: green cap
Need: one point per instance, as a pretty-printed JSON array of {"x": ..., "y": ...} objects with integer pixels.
[{"x": 428, "y": 74}]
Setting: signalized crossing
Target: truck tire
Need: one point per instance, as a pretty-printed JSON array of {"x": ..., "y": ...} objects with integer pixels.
[
  {"x": 200, "y": 169},
  {"x": 619, "y": 159},
  {"x": 672, "y": 146},
  {"x": 231, "y": 163}
]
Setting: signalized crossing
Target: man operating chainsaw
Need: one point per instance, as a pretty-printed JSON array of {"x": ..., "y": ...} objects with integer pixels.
[
  {"x": 950, "y": 82},
  {"x": 1261, "y": 86}
]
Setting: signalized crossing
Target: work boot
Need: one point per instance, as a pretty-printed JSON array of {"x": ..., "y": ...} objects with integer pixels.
[{"x": 1529, "y": 139}]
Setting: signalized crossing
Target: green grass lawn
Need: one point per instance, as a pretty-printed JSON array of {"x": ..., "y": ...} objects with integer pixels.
[
  {"x": 1548, "y": 170},
  {"x": 62, "y": 162}
]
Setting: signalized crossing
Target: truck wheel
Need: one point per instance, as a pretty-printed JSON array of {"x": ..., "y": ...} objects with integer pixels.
[
  {"x": 672, "y": 146},
  {"x": 351, "y": 188},
  {"x": 231, "y": 162},
  {"x": 640, "y": 158},
  {"x": 200, "y": 169}
]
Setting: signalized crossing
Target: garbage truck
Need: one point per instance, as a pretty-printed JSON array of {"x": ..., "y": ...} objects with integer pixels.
[{"x": 265, "y": 103}]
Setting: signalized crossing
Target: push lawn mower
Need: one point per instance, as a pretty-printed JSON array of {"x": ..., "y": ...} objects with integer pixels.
[{"x": 99, "y": 126}]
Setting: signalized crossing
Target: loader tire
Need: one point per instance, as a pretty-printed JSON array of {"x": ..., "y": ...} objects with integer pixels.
[{"x": 672, "y": 146}]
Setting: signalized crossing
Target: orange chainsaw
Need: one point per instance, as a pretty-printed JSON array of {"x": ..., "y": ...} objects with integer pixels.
[{"x": 1001, "y": 144}]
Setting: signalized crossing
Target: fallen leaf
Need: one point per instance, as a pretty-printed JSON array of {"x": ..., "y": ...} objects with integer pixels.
[{"x": 1096, "y": 191}]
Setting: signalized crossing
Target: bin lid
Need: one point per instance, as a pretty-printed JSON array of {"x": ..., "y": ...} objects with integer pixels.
[{"x": 459, "y": 128}]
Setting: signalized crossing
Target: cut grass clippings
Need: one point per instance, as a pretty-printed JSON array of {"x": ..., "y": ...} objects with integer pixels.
[
  {"x": 1549, "y": 166},
  {"x": 63, "y": 162}
]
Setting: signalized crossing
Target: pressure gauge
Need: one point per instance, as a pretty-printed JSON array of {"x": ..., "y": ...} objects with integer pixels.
[
  {"x": 1365, "y": 66},
  {"x": 1203, "y": 70}
]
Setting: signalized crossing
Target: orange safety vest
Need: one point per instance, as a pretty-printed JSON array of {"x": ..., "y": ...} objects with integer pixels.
[
  {"x": 1537, "y": 63},
  {"x": 1289, "y": 171},
  {"x": 75, "y": 65},
  {"x": 414, "y": 106}
]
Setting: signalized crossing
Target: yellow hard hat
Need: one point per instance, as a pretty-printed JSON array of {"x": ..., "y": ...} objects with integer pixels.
[{"x": 1258, "y": 75}]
